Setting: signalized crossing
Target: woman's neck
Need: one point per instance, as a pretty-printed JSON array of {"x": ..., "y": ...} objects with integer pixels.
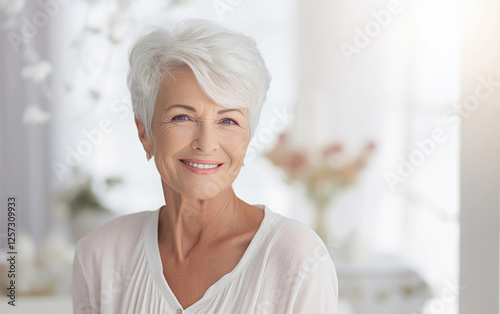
[{"x": 186, "y": 223}]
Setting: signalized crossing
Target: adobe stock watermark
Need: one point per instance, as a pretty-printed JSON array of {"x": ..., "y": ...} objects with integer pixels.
[
  {"x": 439, "y": 304},
  {"x": 279, "y": 121},
  {"x": 118, "y": 281},
  {"x": 363, "y": 37},
  {"x": 29, "y": 28},
  {"x": 92, "y": 138},
  {"x": 428, "y": 146},
  {"x": 223, "y": 6}
]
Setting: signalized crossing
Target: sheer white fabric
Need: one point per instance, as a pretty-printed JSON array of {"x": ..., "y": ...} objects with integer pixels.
[{"x": 285, "y": 269}]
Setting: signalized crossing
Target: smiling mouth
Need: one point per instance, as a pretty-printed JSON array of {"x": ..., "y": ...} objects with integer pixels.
[{"x": 200, "y": 166}]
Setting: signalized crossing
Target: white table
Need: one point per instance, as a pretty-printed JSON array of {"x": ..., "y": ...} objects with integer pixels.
[{"x": 381, "y": 285}]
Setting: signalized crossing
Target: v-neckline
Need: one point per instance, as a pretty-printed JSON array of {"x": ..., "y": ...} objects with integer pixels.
[{"x": 156, "y": 266}]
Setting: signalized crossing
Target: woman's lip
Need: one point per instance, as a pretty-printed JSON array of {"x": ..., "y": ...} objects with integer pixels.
[
  {"x": 200, "y": 171},
  {"x": 203, "y": 162}
]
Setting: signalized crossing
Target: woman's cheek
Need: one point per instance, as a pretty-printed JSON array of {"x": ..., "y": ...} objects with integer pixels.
[
  {"x": 235, "y": 134},
  {"x": 170, "y": 137},
  {"x": 239, "y": 141}
]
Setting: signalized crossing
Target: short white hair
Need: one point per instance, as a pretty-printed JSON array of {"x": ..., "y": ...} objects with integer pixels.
[{"x": 227, "y": 65}]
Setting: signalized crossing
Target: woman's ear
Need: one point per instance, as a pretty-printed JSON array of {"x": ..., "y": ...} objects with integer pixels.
[{"x": 146, "y": 143}]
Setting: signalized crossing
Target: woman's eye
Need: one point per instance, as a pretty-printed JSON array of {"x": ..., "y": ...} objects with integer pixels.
[
  {"x": 178, "y": 118},
  {"x": 228, "y": 121}
]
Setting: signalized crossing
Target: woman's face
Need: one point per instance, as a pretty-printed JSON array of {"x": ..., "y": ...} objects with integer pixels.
[{"x": 188, "y": 127}]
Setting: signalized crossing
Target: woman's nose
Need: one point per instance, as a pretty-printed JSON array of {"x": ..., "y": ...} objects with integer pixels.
[{"x": 206, "y": 138}]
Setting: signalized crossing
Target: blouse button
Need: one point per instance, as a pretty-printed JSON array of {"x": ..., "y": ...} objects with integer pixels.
[{"x": 179, "y": 311}]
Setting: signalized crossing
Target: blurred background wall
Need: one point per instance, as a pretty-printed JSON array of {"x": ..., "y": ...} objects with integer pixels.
[
  {"x": 381, "y": 122},
  {"x": 480, "y": 160}
]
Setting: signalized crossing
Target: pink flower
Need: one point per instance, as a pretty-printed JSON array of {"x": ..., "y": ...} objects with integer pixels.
[{"x": 333, "y": 148}]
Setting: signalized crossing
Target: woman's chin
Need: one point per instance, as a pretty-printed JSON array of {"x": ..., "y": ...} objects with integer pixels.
[{"x": 202, "y": 190}]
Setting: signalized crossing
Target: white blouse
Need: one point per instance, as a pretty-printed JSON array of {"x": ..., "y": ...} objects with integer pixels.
[{"x": 285, "y": 269}]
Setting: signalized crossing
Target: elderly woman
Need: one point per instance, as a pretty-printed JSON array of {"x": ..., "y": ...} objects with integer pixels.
[{"x": 197, "y": 91}]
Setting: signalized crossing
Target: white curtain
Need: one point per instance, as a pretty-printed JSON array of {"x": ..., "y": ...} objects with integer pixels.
[{"x": 25, "y": 147}]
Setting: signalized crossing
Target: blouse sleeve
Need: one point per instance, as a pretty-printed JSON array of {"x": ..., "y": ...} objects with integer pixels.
[
  {"x": 80, "y": 291},
  {"x": 318, "y": 291}
]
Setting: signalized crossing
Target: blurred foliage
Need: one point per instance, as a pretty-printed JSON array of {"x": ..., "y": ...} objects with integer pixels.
[{"x": 80, "y": 193}]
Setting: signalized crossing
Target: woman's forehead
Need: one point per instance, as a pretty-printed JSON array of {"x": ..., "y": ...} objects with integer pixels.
[{"x": 182, "y": 88}]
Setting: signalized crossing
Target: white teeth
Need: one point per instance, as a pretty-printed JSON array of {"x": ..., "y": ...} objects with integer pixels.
[{"x": 200, "y": 166}]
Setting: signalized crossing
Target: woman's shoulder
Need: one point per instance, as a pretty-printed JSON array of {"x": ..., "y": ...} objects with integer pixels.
[
  {"x": 291, "y": 230},
  {"x": 291, "y": 238},
  {"x": 116, "y": 232}
]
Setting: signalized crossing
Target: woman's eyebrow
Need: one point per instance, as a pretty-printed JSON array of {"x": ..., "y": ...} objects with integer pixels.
[
  {"x": 181, "y": 106},
  {"x": 227, "y": 110},
  {"x": 194, "y": 110}
]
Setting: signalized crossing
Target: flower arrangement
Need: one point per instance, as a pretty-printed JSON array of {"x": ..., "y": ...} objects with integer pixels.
[{"x": 323, "y": 174}]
